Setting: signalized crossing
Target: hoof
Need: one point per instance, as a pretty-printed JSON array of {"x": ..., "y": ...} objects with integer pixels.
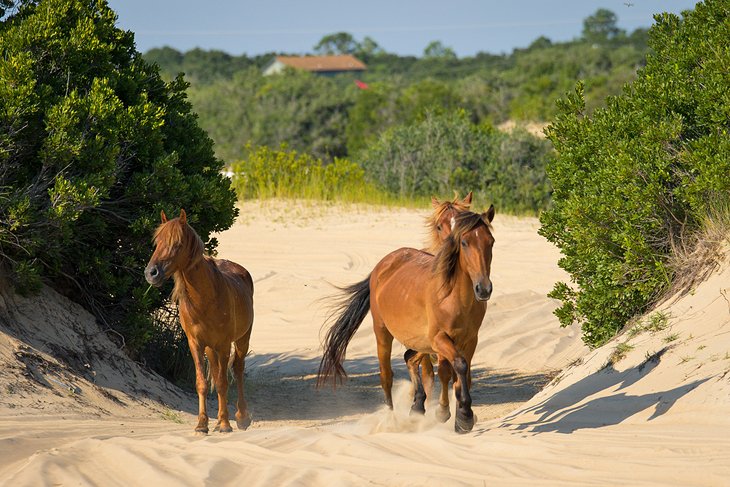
[
  {"x": 443, "y": 414},
  {"x": 464, "y": 423},
  {"x": 417, "y": 410},
  {"x": 199, "y": 431},
  {"x": 223, "y": 427},
  {"x": 243, "y": 423}
]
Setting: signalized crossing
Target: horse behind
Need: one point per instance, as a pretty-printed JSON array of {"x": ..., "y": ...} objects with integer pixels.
[
  {"x": 215, "y": 301},
  {"x": 429, "y": 303}
]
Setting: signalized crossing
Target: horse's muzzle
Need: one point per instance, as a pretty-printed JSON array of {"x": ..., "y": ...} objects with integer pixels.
[
  {"x": 482, "y": 292},
  {"x": 155, "y": 275}
]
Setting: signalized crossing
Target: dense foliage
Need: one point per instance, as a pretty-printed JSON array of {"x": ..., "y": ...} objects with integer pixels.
[
  {"x": 329, "y": 117},
  {"x": 93, "y": 144},
  {"x": 636, "y": 175},
  {"x": 306, "y": 112},
  {"x": 439, "y": 152}
]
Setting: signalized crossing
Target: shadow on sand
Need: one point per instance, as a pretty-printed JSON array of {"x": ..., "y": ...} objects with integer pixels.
[
  {"x": 283, "y": 388},
  {"x": 567, "y": 411}
]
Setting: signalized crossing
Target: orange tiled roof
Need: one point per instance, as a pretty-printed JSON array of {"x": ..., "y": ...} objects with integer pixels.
[{"x": 343, "y": 62}]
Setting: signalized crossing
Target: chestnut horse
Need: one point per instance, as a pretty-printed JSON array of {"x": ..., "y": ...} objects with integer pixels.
[
  {"x": 215, "y": 300},
  {"x": 431, "y": 304}
]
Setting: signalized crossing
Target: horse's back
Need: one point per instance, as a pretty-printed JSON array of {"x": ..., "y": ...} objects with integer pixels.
[
  {"x": 404, "y": 260},
  {"x": 236, "y": 272}
]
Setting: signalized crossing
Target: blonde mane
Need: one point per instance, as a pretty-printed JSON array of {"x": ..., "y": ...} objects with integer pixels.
[
  {"x": 432, "y": 222},
  {"x": 180, "y": 237}
]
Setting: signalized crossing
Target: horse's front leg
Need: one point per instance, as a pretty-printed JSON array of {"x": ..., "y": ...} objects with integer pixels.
[
  {"x": 201, "y": 384},
  {"x": 464, "y": 414}
]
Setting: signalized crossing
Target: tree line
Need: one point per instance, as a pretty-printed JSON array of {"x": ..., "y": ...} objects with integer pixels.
[{"x": 411, "y": 98}]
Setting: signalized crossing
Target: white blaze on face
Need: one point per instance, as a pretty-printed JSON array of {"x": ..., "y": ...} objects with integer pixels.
[{"x": 453, "y": 222}]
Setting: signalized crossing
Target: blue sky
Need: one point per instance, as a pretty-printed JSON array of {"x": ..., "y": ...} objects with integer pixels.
[{"x": 403, "y": 27}]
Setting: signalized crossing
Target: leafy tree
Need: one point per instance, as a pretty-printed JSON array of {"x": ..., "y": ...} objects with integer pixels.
[
  {"x": 541, "y": 42},
  {"x": 640, "y": 173},
  {"x": 368, "y": 48},
  {"x": 600, "y": 27},
  {"x": 93, "y": 144},
  {"x": 338, "y": 43},
  {"x": 491, "y": 88},
  {"x": 436, "y": 50}
]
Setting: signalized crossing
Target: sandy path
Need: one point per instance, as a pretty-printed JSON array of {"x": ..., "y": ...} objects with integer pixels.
[{"x": 658, "y": 417}]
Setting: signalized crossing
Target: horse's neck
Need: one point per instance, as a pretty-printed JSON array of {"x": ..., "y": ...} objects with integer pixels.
[
  {"x": 194, "y": 285},
  {"x": 464, "y": 285}
]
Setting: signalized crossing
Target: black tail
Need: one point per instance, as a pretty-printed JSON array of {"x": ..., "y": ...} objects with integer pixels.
[{"x": 352, "y": 310}]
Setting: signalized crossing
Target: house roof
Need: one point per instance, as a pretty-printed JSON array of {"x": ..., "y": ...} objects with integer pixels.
[{"x": 343, "y": 62}]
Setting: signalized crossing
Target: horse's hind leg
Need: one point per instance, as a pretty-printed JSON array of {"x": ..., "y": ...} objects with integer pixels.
[
  {"x": 427, "y": 375},
  {"x": 446, "y": 374},
  {"x": 385, "y": 344},
  {"x": 220, "y": 375},
  {"x": 243, "y": 418},
  {"x": 413, "y": 359}
]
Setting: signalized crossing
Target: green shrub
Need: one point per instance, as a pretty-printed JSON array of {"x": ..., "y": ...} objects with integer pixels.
[
  {"x": 93, "y": 144},
  {"x": 444, "y": 152},
  {"x": 641, "y": 172},
  {"x": 269, "y": 173},
  {"x": 301, "y": 109}
]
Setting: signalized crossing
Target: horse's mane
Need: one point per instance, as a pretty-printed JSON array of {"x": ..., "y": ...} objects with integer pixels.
[
  {"x": 181, "y": 235},
  {"x": 432, "y": 221},
  {"x": 446, "y": 260}
]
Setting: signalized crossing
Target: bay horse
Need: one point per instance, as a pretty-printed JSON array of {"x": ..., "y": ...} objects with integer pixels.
[
  {"x": 215, "y": 301},
  {"x": 439, "y": 225},
  {"x": 429, "y": 303}
]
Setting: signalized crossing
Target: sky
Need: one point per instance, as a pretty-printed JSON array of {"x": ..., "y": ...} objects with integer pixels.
[{"x": 403, "y": 27}]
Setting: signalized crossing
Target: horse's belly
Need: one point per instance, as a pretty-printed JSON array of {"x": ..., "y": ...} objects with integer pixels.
[{"x": 405, "y": 319}]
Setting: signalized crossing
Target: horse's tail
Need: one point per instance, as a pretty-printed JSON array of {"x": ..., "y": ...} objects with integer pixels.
[{"x": 352, "y": 311}]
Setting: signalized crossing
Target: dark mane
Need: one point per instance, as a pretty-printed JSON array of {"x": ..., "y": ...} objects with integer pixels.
[
  {"x": 182, "y": 238},
  {"x": 447, "y": 258}
]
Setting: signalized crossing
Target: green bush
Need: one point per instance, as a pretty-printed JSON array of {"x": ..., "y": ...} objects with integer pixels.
[
  {"x": 93, "y": 144},
  {"x": 269, "y": 173},
  {"x": 444, "y": 152},
  {"x": 641, "y": 172}
]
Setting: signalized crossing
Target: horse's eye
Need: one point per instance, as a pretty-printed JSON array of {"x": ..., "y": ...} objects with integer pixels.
[
  {"x": 438, "y": 227},
  {"x": 463, "y": 243}
]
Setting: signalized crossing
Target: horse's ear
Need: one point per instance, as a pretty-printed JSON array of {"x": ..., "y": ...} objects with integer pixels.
[
  {"x": 467, "y": 198},
  {"x": 434, "y": 202},
  {"x": 183, "y": 216},
  {"x": 489, "y": 214},
  {"x": 163, "y": 216}
]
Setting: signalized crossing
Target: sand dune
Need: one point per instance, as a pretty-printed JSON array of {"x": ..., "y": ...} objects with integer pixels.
[{"x": 656, "y": 416}]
